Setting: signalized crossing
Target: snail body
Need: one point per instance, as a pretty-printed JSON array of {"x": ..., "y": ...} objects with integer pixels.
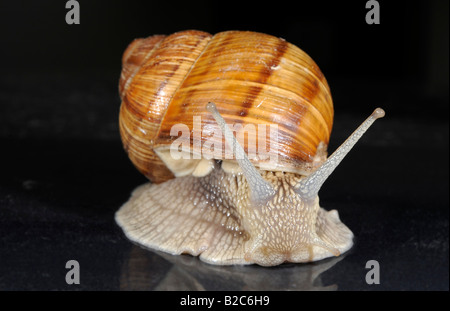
[{"x": 238, "y": 209}]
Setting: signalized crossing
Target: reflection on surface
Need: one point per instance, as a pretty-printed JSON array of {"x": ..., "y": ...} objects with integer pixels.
[{"x": 150, "y": 270}]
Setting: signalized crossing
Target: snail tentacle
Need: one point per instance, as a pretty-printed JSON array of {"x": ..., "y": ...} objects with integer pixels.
[
  {"x": 261, "y": 190},
  {"x": 310, "y": 186}
]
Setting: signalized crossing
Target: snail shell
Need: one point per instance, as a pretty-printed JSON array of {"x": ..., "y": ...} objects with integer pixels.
[
  {"x": 240, "y": 210},
  {"x": 251, "y": 77}
]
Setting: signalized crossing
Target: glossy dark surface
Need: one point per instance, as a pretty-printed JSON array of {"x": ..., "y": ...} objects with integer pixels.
[
  {"x": 63, "y": 171},
  {"x": 58, "y": 199}
]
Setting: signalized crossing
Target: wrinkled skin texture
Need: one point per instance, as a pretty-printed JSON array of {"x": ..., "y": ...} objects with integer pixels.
[{"x": 214, "y": 218}]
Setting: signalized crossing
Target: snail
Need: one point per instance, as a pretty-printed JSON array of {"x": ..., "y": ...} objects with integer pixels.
[{"x": 230, "y": 209}]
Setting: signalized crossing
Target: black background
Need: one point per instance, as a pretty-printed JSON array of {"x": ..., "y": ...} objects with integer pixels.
[{"x": 64, "y": 172}]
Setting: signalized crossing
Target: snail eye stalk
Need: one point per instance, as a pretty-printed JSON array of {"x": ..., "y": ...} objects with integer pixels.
[
  {"x": 261, "y": 190},
  {"x": 310, "y": 186}
]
